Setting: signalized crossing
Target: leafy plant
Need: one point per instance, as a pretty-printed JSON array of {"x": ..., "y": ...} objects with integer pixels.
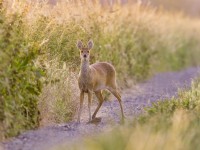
[{"x": 19, "y": 77}]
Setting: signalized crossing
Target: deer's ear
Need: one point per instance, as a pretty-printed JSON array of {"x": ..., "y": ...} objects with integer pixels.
[
  {"x": 90, "y": 44},
  {"x": 79, "y": 44}
]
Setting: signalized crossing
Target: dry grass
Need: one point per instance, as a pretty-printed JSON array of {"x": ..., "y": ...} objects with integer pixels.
[{"x": 59, "y": 99}]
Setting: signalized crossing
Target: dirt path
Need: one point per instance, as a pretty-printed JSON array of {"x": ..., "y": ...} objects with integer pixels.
[{"x": 161, "y": 86}]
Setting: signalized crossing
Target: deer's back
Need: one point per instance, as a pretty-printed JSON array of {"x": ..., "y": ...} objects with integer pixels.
[
  {"x": 103, "y": 68},
  {"x": 103, "y": 75}
]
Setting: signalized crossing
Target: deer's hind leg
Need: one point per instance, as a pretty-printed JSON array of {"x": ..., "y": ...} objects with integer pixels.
[{"x": 118, "y": 96}]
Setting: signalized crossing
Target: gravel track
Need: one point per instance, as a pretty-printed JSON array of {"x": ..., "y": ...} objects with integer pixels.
[{"x": 161, "y": 86}]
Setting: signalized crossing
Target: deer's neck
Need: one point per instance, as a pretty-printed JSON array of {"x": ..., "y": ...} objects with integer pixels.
[{"x": 84, "y": 72}]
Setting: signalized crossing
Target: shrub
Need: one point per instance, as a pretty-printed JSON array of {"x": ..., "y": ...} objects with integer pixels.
[{"x": 19, "y": 77}]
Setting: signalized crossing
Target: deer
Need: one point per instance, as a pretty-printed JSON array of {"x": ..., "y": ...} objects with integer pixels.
[{"x": 94, "y": 79}]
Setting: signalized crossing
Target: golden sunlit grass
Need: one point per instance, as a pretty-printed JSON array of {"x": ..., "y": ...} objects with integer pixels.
[
  {"x": 138, "y": 40},
  {"x": 58, "y": 101}
]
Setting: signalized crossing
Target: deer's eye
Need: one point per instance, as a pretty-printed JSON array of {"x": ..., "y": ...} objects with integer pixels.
[
  {"x": 88, "y": 51},
  {"x": 81, "y": 51}
]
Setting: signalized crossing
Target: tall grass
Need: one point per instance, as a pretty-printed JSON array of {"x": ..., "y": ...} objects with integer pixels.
[
  {"x": 134, "y": 38},
  {"x": 58, "y": 101},
  {"x": 139, "y": 41}
]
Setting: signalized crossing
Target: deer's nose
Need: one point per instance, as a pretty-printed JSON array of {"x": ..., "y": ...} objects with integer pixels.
[{"x": 85, "y": 55}]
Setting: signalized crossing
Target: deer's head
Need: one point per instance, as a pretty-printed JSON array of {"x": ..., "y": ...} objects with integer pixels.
[{"x": 85, "y": 51}]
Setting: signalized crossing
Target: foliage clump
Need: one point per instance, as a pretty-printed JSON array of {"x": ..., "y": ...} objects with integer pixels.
[{"x": 19, "y": 78}]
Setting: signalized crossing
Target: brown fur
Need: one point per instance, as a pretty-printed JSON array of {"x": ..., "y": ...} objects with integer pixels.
[{"x": 95, "y": 78}]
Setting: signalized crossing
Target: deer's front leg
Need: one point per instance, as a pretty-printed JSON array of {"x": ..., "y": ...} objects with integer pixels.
[
  {"x": 89, "y": 104},
  {"x": 81, "y": 105}
]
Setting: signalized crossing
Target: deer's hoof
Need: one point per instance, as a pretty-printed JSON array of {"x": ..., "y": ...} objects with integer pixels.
[{"x": 96, "y": 120}]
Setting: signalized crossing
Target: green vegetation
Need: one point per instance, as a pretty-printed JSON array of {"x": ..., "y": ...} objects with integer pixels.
[
  {"x": 19, "y": 78},
  {"x": 169, "y": 124},
  {"x": 139, "y": 41}
]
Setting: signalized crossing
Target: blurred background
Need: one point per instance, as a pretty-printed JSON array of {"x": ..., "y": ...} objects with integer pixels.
[{"x": 189, "y": 7}]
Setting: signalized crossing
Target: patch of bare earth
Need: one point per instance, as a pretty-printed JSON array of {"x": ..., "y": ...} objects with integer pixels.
[{"x": 161, "y": 86}]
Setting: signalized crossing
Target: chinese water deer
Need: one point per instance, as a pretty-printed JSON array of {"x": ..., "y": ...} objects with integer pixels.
[{"x": 95, "y": 78}]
